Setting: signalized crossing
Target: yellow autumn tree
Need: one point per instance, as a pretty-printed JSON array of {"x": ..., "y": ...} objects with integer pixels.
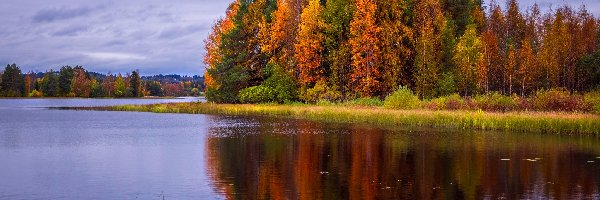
[
  {"x": 309, "y": 44},
  {"x": 467, "y": 56}
]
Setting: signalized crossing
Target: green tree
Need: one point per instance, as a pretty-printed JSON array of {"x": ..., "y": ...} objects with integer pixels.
[
  {"x": 135, "y": 84},
  {"x": 429, "y": 23},
  {"x": 65, "y": 79},
  {"x": 120, "y": 88},
  {"x": 50, "y": 84},
  {"x": 337, "y": 15},
  {"x": 13, "y": 84},
  {"x": 96, "y": 89},
  {"x": 154, "y": 88}
]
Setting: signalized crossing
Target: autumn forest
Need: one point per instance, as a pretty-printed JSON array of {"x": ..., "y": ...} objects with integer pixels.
[{"x": 335, "y": 50}]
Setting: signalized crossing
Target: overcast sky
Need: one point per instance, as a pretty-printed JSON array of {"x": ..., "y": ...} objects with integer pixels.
[{"x": 154, "y": 36}]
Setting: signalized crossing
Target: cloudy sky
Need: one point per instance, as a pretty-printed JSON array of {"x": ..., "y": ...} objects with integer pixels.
[{"x": 154, "y": 36}]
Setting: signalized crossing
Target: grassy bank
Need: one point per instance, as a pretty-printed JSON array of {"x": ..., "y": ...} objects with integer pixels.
[{"x": 539, "y": 122}]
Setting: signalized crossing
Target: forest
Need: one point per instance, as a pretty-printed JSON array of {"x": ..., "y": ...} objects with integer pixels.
[
  {"x": 78, "y": 82},
  {"x": 341, "y": 50}
]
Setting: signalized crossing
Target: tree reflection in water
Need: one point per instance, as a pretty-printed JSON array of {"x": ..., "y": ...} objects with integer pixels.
[{"x": 260, "y": 158}]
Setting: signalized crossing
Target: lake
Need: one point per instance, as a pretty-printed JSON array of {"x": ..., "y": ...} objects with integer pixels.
[{"x": 66, "y": 154}]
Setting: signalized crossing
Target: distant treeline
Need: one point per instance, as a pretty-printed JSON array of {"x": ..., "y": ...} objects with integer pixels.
[{"x": 78, "y": 82}]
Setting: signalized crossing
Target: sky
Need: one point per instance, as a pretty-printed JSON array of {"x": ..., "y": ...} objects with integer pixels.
[{"x": 118, "y": 36}]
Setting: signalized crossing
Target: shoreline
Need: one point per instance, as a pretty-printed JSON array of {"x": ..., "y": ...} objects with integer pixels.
[{"x": 535, "y": 122}]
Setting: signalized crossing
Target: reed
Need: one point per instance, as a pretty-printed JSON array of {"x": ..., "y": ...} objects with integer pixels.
[{"x": 538, "y": 122}]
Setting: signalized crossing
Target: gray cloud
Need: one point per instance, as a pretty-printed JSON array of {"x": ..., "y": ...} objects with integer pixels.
[
  {"x": 72, "y": 30},
  {"x": 62, "y": 13}
]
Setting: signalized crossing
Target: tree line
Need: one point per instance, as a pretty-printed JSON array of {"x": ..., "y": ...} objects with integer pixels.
[
  {"x": 279, "y": 50},
  {"x": 78, "y": 82}
]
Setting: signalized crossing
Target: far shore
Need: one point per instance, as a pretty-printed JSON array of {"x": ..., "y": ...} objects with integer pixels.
[
  {"x": 146, "y": 97},
  {"x": 533, "y": 122}
]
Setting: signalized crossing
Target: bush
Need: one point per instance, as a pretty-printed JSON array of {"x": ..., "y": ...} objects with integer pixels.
[
  {"x": 320, "y": 92},
  {"x": 403, "y": 98},
  {"x": 592, "y": 99},
  {"x": 256, "y": 94},
  {"x": 496, "y": 102},
  {"x": 558, "y": 100},
  {"x": 35, "y": 93},
  {"x": 365, "y": 102},
  {"x": 450, "y": 102},
  {"x": 278, "y": 88}
]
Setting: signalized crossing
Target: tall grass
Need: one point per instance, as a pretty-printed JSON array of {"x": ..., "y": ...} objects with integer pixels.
[{"x": 538, "y": 122}]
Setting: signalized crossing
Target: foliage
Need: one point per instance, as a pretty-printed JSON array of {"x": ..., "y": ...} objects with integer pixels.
[
  {"x": 35, "y": 93},
  {"x": 309, "y": 44},
  {"x": 12, "y": 84},
  {"x": 558, "y": 100},
  {"x": 372, "y": 102},
  {"x": 50, "y": 84},
  {"x": 120, "y": 89},
  {"x": 496, "y": 102},
  {"x": 321, "y": 91},
  {"x": 80, "y": 85},
  {"x": 593, "y": 100},
  {"x": 65, "y": 79},
  {"x": 467, "y": 56},
  {"x": 135, "y": 83},
  {"x": 365, "y": 55},
  {"x": 278, "y": 88},
  {"x": 446, "y": 85},
  {"x": 403, "y": 98},
  {"x": 429, "y": 24}
]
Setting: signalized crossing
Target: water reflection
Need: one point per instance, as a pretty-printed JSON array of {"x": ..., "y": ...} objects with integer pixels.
[{"x": 259, "y": 158}]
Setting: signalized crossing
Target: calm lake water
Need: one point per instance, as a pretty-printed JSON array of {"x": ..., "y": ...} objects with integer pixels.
[{"x": 63, "y": 154}]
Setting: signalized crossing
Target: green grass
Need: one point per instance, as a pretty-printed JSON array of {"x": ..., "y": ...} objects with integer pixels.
[{"x": 538, "y": 122}]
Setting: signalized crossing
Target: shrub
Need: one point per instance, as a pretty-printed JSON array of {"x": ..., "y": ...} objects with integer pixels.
[
  {"x": 496, "y": 102},
  {"x": 320, "y": 92},
  {"x": 450, "y": 102},
  {"x": 592, "y": 99},
  {"x": 35, "y": 93},
  {"x": 365, "y": 102},
  {"x": 558, "y": 100},
  {"x": 403, "y": 98},
  {"x": 278, "y": 88},
  {"x": 257, "y": 94},
  {"x": 446, "y": 85}
]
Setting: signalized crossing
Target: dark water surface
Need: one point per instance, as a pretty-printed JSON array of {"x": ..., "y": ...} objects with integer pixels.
[{"x": 63, "y": 154}]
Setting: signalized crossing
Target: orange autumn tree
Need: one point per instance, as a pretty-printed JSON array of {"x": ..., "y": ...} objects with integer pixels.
[
  {"x": 527, "y": 65},
  {"x": 309, "y": 45},
  {"x": 280, "y": 45},
  {"x": 211, "y": 44},
  {"x": 365, "y": 54}
]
